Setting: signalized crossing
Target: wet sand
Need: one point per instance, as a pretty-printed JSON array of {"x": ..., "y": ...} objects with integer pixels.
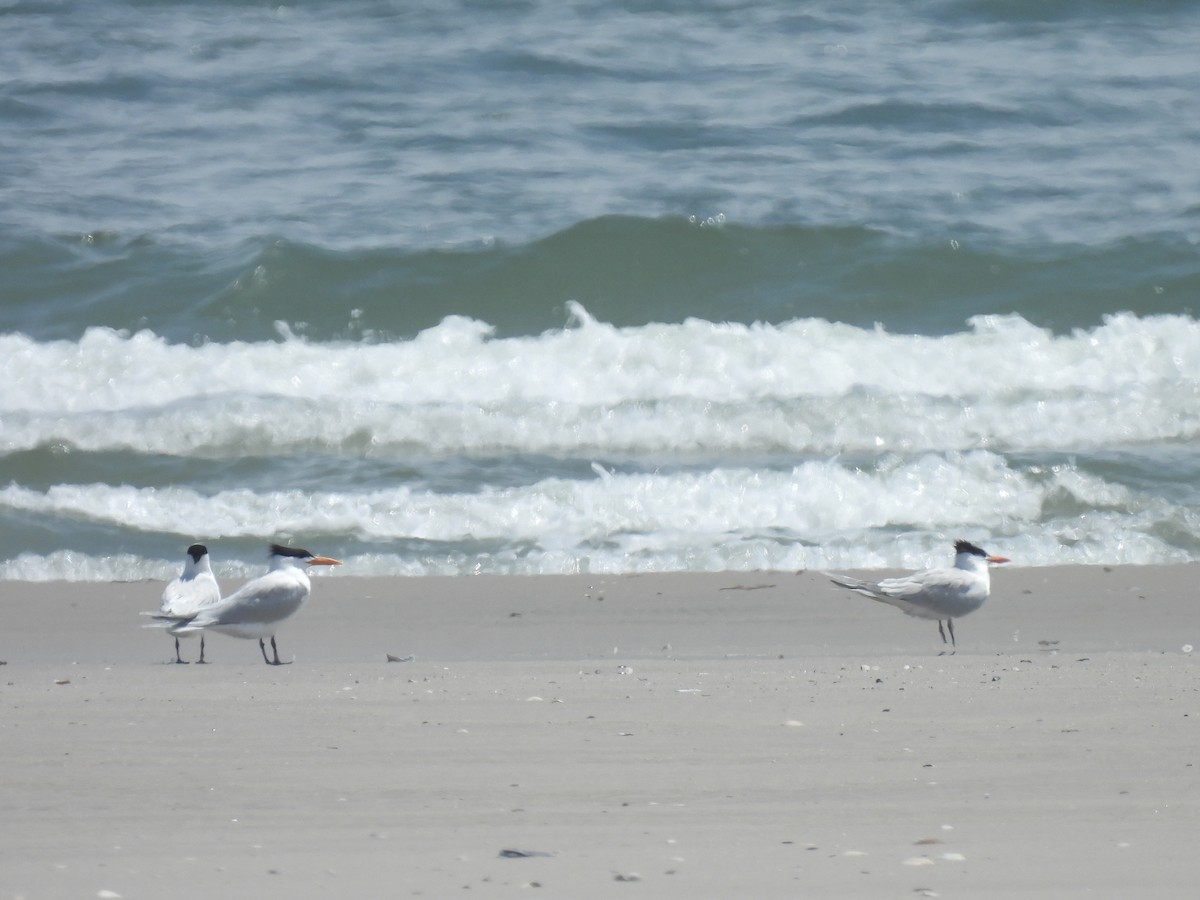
[{"x": 731, "y": 735}]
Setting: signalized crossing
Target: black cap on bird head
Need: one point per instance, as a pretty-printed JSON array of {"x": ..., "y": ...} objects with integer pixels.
[
  {"x": 303, "y": 555},
  {"x": 280, "y": 550},
  {"x": 968, "y": 547},
  {"x": 196, "y": 551}
]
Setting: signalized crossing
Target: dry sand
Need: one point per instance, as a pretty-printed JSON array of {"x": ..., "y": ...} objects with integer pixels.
[{"x": 752, "y": 735}]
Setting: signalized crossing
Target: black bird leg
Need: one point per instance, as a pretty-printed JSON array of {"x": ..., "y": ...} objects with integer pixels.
[
  {"x": 179, "y": 659},
  {"x": 275, "y": 650},
  {"x": 950, "y": 626},
  {"x": 200, "y": 661}
]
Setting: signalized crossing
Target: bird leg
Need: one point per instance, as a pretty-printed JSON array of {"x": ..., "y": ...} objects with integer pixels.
[
  {"x": 275, "y": 650},
  {"x": 200, "y": 661},
  {"x": 950, "y": 625},
  {"x": 179, "y": 660}
]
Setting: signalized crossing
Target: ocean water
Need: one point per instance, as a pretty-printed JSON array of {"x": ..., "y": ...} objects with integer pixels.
[{"x": 585, "y": 286}]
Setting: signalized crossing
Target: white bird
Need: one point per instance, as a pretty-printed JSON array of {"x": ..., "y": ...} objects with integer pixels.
[
  {"x": 194, "y": 590},
  {"x": 942, "y": 594},
  {"x": 258, "y": 607}
]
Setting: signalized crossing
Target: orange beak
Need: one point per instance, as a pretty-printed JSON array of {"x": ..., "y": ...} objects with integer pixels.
[
  {"x": 324, "y": 561},
  {"x": 998, "y": 559}
]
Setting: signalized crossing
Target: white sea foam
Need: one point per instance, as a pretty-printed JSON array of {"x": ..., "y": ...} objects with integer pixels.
[
  {"x": 816, "y": 515},
  {"x": 880, "y": 447},
  {"x": 805, "y": 387}
]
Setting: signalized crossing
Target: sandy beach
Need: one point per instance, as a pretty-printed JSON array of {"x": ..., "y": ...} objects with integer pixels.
[{"x": 749, "y": 735}]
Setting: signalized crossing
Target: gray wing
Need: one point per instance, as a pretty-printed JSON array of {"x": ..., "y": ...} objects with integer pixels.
[
  {"x": 933, "y": 594},
  {"x": 268, "y": 599}
]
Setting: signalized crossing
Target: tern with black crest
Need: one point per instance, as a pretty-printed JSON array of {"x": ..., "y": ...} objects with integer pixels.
[
  {"x": 192, "y": 592},
  {"x": 259, "y": 607},
  {"x": 942, "y": 594}
]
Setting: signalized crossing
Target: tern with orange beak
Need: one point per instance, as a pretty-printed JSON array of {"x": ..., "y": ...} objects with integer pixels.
[
  {"x": 942, "y": 594},
  {"x": 259, "y": 607}
]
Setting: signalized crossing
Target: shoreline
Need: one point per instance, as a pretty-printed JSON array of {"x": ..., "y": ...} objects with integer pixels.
[
  {"x": 755, "y": 734},
  {"x": 699, "y": 615}
]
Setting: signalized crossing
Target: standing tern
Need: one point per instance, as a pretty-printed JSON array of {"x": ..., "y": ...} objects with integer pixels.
[
  {"x": 258, "y": 607},
  {"x": 942, "y": 594},
  {"x": 193, "y": 591}
]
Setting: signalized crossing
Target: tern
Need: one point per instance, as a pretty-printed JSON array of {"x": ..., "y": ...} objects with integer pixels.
[
  {"x": 193, "y": 591},
  {"x": 259, "y": 607},
  {"x": 942, "y": 594}
]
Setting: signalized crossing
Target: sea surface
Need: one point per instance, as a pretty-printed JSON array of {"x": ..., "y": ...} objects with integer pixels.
[{"x": 593, "y": 286}]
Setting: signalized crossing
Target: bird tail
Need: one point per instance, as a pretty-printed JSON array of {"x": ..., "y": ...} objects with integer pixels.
[
  {"x": 174, "y": 624},
  {"x": 875, "y": 591},
  {"x": 867, "y": 588},
  {"x": 160, "y": 621}
]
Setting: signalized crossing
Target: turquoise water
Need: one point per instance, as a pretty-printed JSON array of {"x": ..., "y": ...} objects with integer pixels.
[{"x": 596, "y": 286}]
